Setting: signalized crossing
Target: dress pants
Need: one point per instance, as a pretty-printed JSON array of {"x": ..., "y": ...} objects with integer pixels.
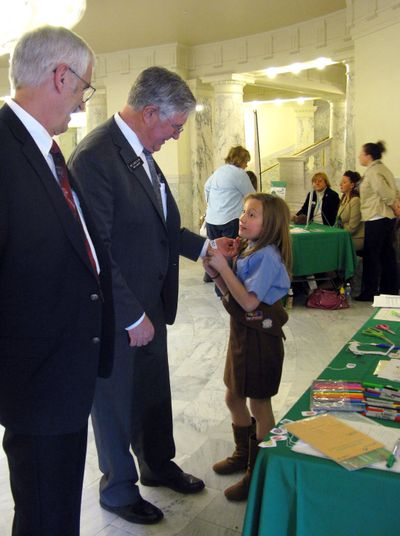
[
  {"x": 132, "y": 409},
  {"x": 229, "y": 229},
  {"x": 46, "y": 476},
  {"x": 379, "y": 258}
]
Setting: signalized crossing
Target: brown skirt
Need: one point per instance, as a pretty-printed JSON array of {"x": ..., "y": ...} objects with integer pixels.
[{"x": 255, "y": 350}]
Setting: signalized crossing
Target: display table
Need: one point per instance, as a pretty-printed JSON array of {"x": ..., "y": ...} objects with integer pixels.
[
  {"x": 296, "y": 494},
  {"x": 322, "y": 249}
]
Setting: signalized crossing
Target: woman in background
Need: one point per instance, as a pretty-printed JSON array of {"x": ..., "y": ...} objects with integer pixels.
[
  {"x": 225, "y": 191},
  {"x": 324, "y": 204},
  {"x": 378, "y": 201},
  {"x": 349, "y": 213}
]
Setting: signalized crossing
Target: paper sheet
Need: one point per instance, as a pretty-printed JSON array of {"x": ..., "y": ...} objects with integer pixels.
[
  {"x": 386, "y": 300},
  {"x": 389, "y": 370},
  {"x": 296, "y": 230},
  {"x": 338, "y": 440},
  {"x": 393, "y": 315},
  {"x": 384, "y": 434}
]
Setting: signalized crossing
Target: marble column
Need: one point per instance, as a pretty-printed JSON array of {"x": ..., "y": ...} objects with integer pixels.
[
  {"x": 305, "y": 132},
  {"x": 228, "y": 121},
  {"x": 201, "y": 148},
  {"x": 350, "y": 149},
  {"x": 338, "y": 135},
  {"x": 304, "y": 126}
]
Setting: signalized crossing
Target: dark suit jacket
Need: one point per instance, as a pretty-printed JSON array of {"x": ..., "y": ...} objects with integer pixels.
[
  {"x": 330, "y": 205},
  {"x": 144, "y": 249},
  {"x": 52, "y": 311}
]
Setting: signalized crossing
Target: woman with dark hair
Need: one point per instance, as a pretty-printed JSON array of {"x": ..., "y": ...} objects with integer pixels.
[
  {"x": 324, "y": 203},
  {"x": 378, "y": 199},
  {"x": 349, "y": 213}
]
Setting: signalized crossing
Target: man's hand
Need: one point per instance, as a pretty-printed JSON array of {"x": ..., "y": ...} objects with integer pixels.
[
  {"x": 141, "y": 334},
  {"x": 229, "y": 247}
]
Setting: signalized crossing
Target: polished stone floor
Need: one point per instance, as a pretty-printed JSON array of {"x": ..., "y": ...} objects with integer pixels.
[{"x": 197, "y": 344}]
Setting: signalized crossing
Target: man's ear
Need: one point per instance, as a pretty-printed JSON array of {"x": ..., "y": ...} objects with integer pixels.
[
  {"x": 59, "y": 76},
  {"x": 150, "y": 114}
]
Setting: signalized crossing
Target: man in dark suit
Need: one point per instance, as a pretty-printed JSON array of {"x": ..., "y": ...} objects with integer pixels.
[
  {"x": 140, "y": 223},
  {"x": 56, "y": 312}
]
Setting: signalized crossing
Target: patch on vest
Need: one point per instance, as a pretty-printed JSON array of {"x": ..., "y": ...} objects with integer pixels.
[{"x": 267, "y": 323}]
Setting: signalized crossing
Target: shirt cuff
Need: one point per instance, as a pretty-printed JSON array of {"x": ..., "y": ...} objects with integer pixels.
[
  {"x": 136, "y": 323},
  {"x": 204, "y": 249}
]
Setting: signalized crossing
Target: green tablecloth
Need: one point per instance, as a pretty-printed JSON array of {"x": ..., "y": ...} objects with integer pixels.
[
  {"x": 295, "y": 494},
  {"x": 322, "y": 249}
]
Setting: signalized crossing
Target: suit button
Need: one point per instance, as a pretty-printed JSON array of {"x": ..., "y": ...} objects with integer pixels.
[
  {"x": 94, "y": 297},
  {"x": 160, "y": 277},
  {"x": 96, "y": 340},
  {"x": 163, "y": 242}
]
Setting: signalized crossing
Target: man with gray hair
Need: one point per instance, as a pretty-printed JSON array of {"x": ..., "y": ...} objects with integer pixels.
[
  {"x": 56, "y": 308},
  {"x": 140, "y": 223}
]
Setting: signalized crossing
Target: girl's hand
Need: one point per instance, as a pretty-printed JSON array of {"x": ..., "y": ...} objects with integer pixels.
[
  {"x": 217, "y": 260},
  {"x": 208, "y": 268}
]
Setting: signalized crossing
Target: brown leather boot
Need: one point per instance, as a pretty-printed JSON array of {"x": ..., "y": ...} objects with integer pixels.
[
  {"x": 239, "y": 458},
  {"x": 240, "y": 491}
]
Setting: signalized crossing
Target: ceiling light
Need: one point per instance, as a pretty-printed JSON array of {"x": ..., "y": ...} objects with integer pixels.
[
  {"x": 26, "y": 15},
  {"x": 321, "y": 63},
  {"x": 296, "y": 68},
  {"x": 271, "y": 72}
]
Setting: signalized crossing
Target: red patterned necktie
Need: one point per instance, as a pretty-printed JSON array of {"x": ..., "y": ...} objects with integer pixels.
[{"x": 62, "y": 175}]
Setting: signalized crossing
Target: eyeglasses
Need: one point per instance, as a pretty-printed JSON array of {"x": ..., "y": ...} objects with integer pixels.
[
  {"x": 89, "y": 90},
  {"x": 177, "y": 128}
]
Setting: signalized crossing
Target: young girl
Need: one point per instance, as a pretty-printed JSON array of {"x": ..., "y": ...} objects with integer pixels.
[{"x": 252, "y": 293}]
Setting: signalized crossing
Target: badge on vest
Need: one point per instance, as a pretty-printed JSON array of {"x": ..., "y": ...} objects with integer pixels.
[{"x": 254, "y": 315}]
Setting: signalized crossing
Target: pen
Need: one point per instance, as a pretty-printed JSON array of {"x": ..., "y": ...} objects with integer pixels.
[{"x": 392, "y": 458}]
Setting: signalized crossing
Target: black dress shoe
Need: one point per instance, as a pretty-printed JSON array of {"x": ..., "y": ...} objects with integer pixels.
[
  {"x": 141, "y": 512},
  {"x": 364, "y": 297},
  {"x": 182, "y": 483}
]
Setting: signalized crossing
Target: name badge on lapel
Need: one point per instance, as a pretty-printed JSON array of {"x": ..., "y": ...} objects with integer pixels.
[{"x": 135, "y": 164}]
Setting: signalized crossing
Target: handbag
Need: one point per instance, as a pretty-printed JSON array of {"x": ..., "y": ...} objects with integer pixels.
[{"x": 327, "y": 299}]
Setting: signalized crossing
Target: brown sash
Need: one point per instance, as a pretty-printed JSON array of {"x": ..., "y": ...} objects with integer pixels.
[{"x": 266, "y": 318}]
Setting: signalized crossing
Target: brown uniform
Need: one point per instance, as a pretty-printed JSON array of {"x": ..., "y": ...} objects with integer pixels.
[{"x": 255, "y": 349}]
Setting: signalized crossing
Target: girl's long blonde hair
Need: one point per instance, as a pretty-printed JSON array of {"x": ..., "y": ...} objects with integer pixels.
[{"x": 275, "y": 228}]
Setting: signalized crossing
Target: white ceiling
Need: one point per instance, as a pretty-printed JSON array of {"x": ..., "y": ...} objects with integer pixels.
[{"x": 111, "y": 25}]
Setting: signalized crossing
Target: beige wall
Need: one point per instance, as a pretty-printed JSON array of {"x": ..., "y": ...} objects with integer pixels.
[{"x": 377, "y": 92}]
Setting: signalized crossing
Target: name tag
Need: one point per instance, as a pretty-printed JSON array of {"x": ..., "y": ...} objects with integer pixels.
[{"x": 135, "y": 164}]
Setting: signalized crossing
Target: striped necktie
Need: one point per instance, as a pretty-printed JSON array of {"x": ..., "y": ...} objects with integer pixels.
[
  {"x": 155, "y": 180},
  {"x": 62, "y": 176}
]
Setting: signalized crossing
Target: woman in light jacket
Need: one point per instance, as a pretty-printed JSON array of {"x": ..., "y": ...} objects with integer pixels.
[
  {"x": 378, "y": 200},
  {"x": 349, "y": 212}
]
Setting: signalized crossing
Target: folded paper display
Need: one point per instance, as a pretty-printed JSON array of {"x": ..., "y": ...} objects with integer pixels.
[{"x": 340, "y": 442}]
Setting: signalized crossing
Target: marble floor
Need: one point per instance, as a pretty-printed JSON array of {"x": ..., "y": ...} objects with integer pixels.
[{"x": 197, "y": 344}]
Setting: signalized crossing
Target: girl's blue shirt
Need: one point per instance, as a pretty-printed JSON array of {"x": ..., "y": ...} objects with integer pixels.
[{"x": 264, "y": 273}]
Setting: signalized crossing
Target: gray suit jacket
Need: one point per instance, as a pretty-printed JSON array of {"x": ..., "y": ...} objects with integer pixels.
[{"x": 144, "y": 248}]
